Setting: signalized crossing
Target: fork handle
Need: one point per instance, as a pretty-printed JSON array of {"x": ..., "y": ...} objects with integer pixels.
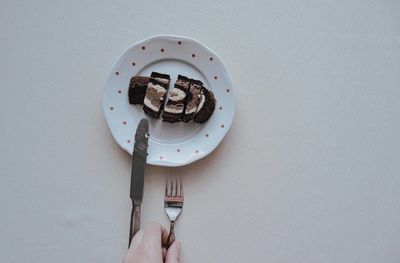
[{"x": 171, "y": 236}]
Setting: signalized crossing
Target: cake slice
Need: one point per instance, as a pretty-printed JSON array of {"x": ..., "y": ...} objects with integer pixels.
[
  {"x": 137, "y": 89},
  {"x": 193, "y": 100},
  {"x": 206, "y": 106},
  {"x": 156, "y": 94},
  {"x": 176, "y": 103}
]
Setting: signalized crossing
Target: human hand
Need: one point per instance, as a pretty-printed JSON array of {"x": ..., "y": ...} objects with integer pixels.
[{"x": 146, "y": 247}]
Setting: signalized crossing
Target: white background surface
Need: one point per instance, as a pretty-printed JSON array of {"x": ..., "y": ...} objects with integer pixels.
[{"x": 308, "y": 173}]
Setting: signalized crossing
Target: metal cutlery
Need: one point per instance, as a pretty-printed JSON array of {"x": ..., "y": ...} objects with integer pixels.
[
  {"x": 173, "y": 203},
  {"x": 139, "y": 158}
]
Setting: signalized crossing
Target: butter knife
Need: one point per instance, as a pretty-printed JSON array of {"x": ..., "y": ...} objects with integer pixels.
[{"x": 139, "y": 158}]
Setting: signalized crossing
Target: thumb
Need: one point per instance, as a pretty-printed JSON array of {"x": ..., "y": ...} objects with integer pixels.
[{"x": 174, "y": 253}]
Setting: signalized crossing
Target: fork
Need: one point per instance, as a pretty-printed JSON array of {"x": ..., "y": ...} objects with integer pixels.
[{"x": 173, "y": 202}]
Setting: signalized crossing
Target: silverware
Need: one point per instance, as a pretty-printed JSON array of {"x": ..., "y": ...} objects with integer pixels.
[
  {"x": 139, "y": 158},
  {"x": 173, "y": 202}
]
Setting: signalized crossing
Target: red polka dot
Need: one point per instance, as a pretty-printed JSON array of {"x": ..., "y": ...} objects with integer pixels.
[
  {"x": 111, "y": 108},
  {"x": 178, "y": 150},
  {"x": 119, "y": 91},
  {"x": 162, "y": 50},
  {"x": 124, "y": 122},
  {"x": 211, "y": 59},
  {"x": 228, "y": 90},
  {"x": 143, "y": 47},
  {"x": 128, "y": 141},
  {"x": 179, "y": 43},
  {"x": 193, "y": 55},
  {"x": 215, "y": 77},
  {"x": 133, "y": 64},
  {"x": 220, "y": 108},
  {"x": 222, "y": 126},
  {"x": 117, "y": 73}
]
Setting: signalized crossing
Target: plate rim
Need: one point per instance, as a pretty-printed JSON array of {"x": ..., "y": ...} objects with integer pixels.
[{"x": 166, "y": 163}]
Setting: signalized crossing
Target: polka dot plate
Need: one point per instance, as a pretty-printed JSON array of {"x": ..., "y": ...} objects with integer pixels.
[{"x": 174, "y": 144}]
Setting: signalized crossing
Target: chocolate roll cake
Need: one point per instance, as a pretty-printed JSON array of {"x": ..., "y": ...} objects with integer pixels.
[
  {"x": 176, "y": 103},
  {"x": 206, "y": 106},
  {"x": 156, "y": 94},
  {"x": 137, "y": 89},
  {"x": 193, "y": 100}
]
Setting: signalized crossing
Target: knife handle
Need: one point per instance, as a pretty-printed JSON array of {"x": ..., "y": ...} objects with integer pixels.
[{"x": 135, "y": 223}]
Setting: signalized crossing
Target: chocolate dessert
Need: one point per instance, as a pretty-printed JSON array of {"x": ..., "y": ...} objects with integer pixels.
[
  {"x": 188, "y": 100},
  {"x": 137, "y": 89},
  {"x": 206, "y": 106},
  {"x": 176, "y": 103},
  {"x": 193, "y": 100},
  {"x": 156, "y": 94}
]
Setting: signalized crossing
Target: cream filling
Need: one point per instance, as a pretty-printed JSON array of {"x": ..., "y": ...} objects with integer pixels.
[
  {"x": 148, "y": 104},
  {"x": 171, "y": 110},
  {"x": 189, "y": 111},
  {"x": 202, "y": 100},
  {"x": 165, "y": 81},
  {"x": 177, "y": 94},
  {"x": 159, "y": 88}
]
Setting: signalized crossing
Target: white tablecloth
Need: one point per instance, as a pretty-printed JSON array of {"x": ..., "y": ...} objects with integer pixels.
[{"x": 309, "y": 171}]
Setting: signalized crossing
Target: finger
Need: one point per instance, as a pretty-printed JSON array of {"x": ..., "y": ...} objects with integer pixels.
[
  {"x": 135, "y": 243},
  {"x": 174, "y": 253},
  {"x": 152, "y": 234},
  {"x": 164, "y": 235},
  {"x": 155, "y": 232},
  {"x": 136, "y": 240}
]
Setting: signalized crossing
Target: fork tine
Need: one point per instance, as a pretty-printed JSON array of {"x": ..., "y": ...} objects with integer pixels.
[
  {"x": 178, "y": 190},
  {"x": 166, "y": 186},
  {"x": 176, "y": 186},
  {"x": 172, "y": 186},
  {"x": 168, "y": 183},
  {"x": 181, "y": 187}
]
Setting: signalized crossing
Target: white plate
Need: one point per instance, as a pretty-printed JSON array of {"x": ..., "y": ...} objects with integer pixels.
[{"x": 169, "y": 144}]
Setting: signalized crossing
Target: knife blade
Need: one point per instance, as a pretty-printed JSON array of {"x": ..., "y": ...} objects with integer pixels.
[{"x": 139, "y": 158}]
